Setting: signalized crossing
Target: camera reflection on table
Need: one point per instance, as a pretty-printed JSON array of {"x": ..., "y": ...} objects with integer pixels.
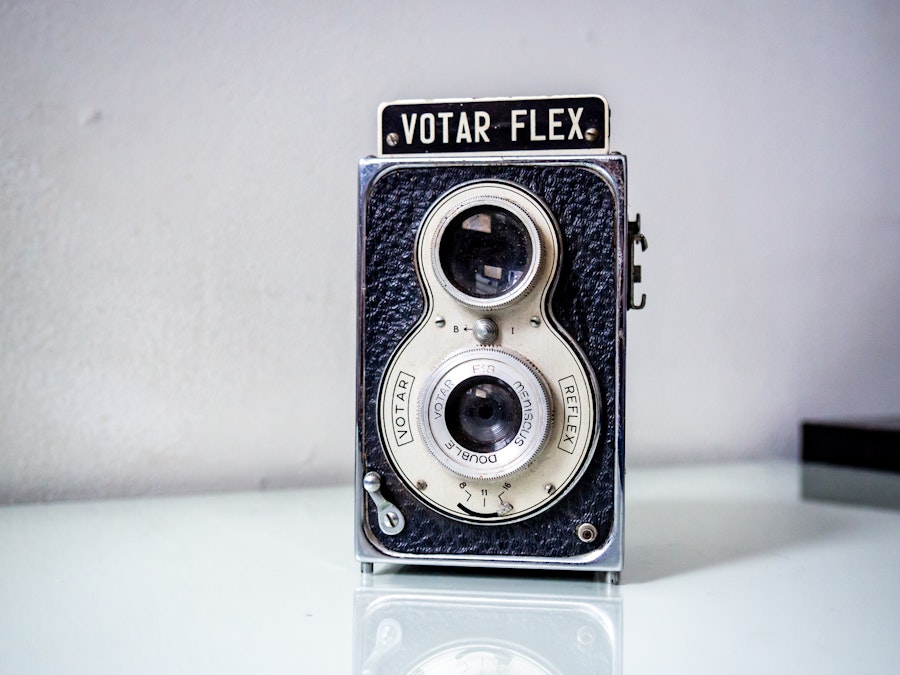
[{"x": 420, "y": 621}]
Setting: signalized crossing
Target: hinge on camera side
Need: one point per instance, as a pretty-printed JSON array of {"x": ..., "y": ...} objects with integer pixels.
[{"x": 634, "y": 271}]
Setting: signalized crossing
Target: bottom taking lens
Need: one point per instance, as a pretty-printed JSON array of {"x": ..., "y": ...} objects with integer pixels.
[{"x": 483, "y": 414}]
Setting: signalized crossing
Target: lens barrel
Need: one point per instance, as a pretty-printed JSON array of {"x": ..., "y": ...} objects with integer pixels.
[
  {"x": 484, "y": 413},
  {"x": 487, "y": 250}
]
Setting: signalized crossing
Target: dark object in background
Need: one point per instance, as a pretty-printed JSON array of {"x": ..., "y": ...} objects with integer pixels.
[{"x": 853, "y": 461}]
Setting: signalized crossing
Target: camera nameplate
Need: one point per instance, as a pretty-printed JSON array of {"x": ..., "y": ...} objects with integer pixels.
[{"x": 509, "y": 125}]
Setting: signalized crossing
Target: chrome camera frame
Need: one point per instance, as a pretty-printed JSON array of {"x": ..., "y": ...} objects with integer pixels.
[{"x": 495, "y": 271}]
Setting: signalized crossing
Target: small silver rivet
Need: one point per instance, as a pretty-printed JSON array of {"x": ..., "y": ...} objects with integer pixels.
[
  {"x": 587, "y": 532},
  {"x": 389, "y": 633},
  {"x": 421, "y": 484},
  {"x": 393, "y": 138},
  {"x": 535, "y": 321},
  {"x": 585, "y": 638},
  {"x": 591, "y": 134},
  {"x": 549, "y": 488},
  {"x": 440, "y": 322},
  {"x": 372, "y": 482}
]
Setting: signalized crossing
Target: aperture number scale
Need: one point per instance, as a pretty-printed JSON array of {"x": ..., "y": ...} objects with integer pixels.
[{"x": 480, "y": 497}]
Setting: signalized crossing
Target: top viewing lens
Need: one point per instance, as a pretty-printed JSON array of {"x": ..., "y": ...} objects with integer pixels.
[{"x": 485, "y": 251}]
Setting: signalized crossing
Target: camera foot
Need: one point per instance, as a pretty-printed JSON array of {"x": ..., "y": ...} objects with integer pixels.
[
  {"x": 367, "y": 568},
  {"x": 611, "y": 578}
]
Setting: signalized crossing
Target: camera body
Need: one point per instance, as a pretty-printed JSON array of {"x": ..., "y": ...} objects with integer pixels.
[{"x": 495, "y": 272}]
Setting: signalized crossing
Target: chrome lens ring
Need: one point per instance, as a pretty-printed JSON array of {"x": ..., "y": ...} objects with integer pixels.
[
  {"x": 484, "y": 413},
  {"x": 487, "y": 250}
]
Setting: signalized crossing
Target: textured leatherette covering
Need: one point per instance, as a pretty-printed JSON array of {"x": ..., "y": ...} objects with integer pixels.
[{"x": 587, "y": 303}]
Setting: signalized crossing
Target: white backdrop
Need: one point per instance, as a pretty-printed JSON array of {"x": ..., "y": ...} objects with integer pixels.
[{"x": 178, "y": 207}]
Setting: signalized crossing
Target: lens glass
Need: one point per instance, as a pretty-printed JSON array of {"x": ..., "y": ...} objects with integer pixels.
[
  {"x": 485, "y": 251},
  {"x": 483, "y": 414}
]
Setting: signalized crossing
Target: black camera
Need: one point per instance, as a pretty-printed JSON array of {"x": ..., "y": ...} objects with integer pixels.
[{"x": 495, "y": 271}]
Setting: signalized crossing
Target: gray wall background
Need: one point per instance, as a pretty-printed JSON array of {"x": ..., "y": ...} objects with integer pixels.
[{"x": 178, "y": 206}]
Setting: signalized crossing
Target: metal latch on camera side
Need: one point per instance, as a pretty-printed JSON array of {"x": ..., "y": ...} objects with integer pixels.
[
  {"x": 390, "y": 520},
  {"x": 635, "y": 238}
]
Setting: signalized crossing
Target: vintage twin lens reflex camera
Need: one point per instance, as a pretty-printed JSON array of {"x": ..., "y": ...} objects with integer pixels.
[{"x": 495, "y": 271}]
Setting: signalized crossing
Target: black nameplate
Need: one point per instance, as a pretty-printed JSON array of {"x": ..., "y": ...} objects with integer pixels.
[{"x": 562, "y": 123}]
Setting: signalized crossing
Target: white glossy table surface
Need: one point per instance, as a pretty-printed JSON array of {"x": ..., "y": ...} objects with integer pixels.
[{"x": 727, "y": 571}]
